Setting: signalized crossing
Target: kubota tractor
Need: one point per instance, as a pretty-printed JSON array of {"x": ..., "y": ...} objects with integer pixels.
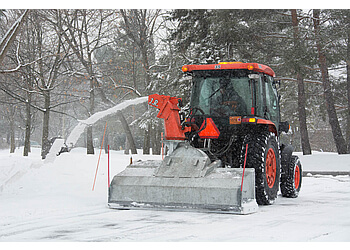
[{"x": 225, "y": 155}]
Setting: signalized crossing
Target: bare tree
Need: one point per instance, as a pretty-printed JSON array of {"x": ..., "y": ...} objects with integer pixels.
[
  {"x": 48, "y": 71},
  {"x": 140, "y": 26},
  {"x": 39, "y": 58},
  {"x": 85, "y": 31}
]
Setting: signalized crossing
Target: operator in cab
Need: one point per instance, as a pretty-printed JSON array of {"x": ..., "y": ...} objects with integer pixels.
[{"x": 227, "y": 101}]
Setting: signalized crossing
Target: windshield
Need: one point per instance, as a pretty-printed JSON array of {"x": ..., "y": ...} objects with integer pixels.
[{"x": 221, "y": 93}]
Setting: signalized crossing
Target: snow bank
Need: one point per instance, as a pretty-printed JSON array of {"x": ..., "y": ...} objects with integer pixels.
[
  {"x": 14, "y": 166},
  {"x": 324, "y": 161}
]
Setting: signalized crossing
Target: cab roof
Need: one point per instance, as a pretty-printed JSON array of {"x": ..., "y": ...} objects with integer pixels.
[{"x": 256, "y": 67}]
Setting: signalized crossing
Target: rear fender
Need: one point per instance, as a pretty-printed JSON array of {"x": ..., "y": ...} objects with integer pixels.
[{"x": 270, "y": 124}]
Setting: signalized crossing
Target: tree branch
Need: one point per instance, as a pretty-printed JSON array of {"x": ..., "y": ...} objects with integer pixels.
[
  {"x": 11, "y": 35},
  {"x": 295, "y": 80}
]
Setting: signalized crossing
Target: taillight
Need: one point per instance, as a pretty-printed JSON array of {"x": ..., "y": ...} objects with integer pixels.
[{"x": 249, "y": 120}]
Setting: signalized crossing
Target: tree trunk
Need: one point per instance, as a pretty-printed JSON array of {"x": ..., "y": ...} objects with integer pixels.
[
  {"x": 146, "y": 65},
  {"x": 133, "y": 67},
  {"x": 45, "y": 143},
  {"x": 89, "y": 139},
  {"x": 348, "y": 87},
  {"x": 153, "y": 135},
  {"x": 126, "y": 147},
  {"x": 148, "y": 133},
  {"x": 146, "y": 141},
  {"x": 27, "y": 128},
  {"x": 156, "y": 144},
  {"x": 305, "y": 143},
  {"x": 332, "y": 115},
  {"x": 12, "y": 135},
  {"x": 106, "y": 142},
  {"x": 129, "y": 137}
]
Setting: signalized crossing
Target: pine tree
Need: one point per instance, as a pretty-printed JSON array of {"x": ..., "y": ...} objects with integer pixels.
[{"x": 332, "y": 115}]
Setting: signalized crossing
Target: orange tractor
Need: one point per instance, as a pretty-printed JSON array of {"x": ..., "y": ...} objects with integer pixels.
[{"x": 224, "y": 155}]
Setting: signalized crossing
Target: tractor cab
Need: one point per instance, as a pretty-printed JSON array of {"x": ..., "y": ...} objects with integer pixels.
[
  {"x": 222, "y": 93},
  {"x": 232, "y": 93}
]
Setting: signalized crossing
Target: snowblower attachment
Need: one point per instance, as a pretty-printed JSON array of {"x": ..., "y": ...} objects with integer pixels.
[{"x": 186, "y": 179}]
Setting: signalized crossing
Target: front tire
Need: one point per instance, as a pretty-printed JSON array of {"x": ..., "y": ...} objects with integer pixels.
[
  {"x": 264, "y": 157},
  {"x": 291, "y": 179}
]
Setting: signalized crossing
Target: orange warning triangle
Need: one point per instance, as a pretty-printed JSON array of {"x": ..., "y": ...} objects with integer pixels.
[{"x": 210, "y": 131}]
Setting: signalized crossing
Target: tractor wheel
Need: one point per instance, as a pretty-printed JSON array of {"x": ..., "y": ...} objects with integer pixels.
[
  {"x": 263, "y": 155},
  {"x": 291, "y": 179}
]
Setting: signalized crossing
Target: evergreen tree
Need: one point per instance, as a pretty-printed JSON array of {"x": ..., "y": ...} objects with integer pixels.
[{"x": 332, "y": 114}]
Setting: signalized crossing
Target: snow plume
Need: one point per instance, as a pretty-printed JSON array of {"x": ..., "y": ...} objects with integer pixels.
[{"x": 79, "y": 129}]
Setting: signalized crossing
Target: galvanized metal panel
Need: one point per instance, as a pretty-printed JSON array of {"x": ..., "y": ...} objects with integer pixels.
[
  {"x": 218, "y": 191},
  {"x": 186, "y": 179},
  {"x": 185, "y": 161}
]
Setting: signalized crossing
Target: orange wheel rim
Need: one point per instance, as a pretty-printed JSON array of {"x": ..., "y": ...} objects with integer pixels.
[
  {"x": 270, "y": 168},
  {"x": 297, "y": 177}
]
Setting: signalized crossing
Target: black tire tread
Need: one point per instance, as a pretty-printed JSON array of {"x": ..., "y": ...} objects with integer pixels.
[
  {"x": 287, "y": 179},
  {"x": 257, "y": 145}
]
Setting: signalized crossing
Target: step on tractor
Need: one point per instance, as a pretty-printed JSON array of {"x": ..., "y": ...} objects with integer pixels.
[{"x": 224, "y": 155}]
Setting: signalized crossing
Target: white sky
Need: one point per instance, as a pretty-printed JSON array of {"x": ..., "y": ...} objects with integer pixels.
[{"x": 161, "y": 4}]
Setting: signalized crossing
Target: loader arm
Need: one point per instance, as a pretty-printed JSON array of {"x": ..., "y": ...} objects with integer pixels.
[{"x": 169, "y": 111}]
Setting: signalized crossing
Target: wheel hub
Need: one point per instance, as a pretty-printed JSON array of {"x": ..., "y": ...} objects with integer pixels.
[
  {"x": 296, "y": 177},
  {"x": 270, "y": 167}
]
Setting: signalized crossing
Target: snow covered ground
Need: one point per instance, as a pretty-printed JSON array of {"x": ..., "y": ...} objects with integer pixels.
[{"x": 44, "y": 202}]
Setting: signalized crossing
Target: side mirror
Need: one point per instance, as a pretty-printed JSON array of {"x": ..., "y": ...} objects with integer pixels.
[
  {"x": 180, "y": 103},
  {"x": 284, "y": 127},
  {"x": 277, "y": 82}
]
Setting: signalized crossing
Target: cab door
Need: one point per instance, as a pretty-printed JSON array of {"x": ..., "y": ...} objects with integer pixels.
[{"x": 271, "y": 98}]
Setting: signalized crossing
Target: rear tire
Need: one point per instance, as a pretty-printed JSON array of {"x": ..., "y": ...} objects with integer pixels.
[
  {"x": 264, "y": 157},
  {"x": 291, "y": 180}
]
